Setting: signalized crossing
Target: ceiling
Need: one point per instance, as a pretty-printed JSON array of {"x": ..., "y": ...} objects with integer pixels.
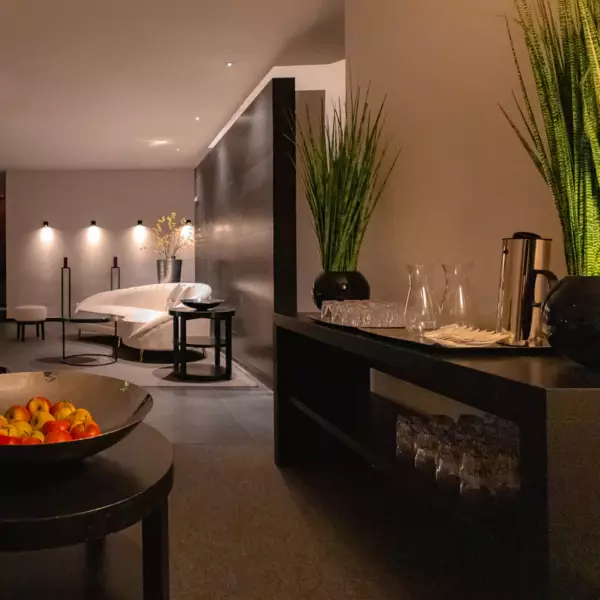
[{"x": 90, "y": 85}]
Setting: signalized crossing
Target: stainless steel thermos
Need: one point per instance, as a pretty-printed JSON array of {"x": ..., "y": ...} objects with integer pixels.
[{"x": 525, "y": 280}]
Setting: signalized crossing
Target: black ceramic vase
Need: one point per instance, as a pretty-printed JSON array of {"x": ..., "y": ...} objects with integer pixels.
[
  {"x": 340, "y": 285},
  {"x": 572, "y": 319}
]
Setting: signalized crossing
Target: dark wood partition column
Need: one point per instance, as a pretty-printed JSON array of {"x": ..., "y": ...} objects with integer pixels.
[{"x": 284, "y": 197}]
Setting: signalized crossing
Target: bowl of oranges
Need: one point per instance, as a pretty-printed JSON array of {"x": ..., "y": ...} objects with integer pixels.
[{"x": 47, "y": 417}]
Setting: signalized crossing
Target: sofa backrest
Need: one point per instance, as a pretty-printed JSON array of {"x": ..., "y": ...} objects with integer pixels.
[{"x": 152, "y": 297}]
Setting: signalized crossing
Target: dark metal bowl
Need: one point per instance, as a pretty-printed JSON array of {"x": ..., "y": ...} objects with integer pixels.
[
  {"x": 202, "y": 304},
  {"x": 117, "y": 406}
]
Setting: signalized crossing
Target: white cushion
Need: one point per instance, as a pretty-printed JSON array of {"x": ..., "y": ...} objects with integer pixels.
[
  {"x": 150, "y": 326},
  {"x": 191, "y": 292},
  {"x": 30, "y": 313},
  {"x": 181, "y": 291}
]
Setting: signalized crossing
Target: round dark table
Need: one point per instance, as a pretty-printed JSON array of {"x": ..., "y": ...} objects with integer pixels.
[
  {"x": 88, "y": 500},
  {"x": 99, "y": 359},
  {"x": 181, "y": 343}
]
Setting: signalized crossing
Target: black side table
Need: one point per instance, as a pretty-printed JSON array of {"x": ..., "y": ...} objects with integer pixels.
[
  {"x": 101, "y": 359},
  {"x": 88, "y": 500},
  {"x": 181, "y": 343}
]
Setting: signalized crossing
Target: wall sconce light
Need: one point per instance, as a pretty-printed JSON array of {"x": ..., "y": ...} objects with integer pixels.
[
  {"x": 46, "y": 234},
  {"x": 188, "y": 229},
  {"x": 140, "y": 232},
  {"x": 93, "y": 233}
]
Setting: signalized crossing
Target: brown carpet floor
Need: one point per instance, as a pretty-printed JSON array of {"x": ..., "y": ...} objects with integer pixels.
[
  {"x": 242, "y": 529},
  {"x": 253, "y": 534}
]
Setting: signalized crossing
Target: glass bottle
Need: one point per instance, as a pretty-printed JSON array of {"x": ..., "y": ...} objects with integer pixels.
[
  {"x": 457, "y": 304},
  {"x": 420, "y": 312}
]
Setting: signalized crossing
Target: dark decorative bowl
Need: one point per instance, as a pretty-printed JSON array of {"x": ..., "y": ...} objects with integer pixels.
[
  {"x": 340, "y": 285},
  {"x": 201, "y": 304},
  {"x": 572, "y": 319},
  {"x": 117, "y": 406}
]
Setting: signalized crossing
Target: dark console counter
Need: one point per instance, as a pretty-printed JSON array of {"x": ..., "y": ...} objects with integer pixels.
[{"x": 323, "y": 384}]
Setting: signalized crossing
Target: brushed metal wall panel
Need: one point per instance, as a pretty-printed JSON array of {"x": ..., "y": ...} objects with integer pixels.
[{"x": 247, "y": 179}]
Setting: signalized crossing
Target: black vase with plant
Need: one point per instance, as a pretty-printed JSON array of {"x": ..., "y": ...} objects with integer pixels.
[
  {"x": 564, "y": 144},
  {"x": 345, "y": 170}
]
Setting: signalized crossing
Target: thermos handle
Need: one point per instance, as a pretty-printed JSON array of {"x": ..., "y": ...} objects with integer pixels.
[
  {"x": 529, "y": 296},
  {"x": 549, "y": 275}
]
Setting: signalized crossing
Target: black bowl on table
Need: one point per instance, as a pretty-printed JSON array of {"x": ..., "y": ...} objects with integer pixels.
[
  {"x": 197, "y": 304},
  {"x": 117, "y": 406}
]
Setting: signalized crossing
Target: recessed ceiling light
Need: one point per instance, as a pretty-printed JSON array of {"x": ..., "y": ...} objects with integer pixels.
[
  {"x": 197, "y": 118},
  {"x": 177, "y": 149},
  {"x": 157, "y": 143},
  {"x": 229, "y": 64}
]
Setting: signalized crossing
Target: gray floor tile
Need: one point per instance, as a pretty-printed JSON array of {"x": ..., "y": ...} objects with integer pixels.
[
  {"x": 194, "y": 415},
  {"x": 254, "y": 412},
  {"x": 187, "y": 392},
  {"x": 212, "y": 432}
]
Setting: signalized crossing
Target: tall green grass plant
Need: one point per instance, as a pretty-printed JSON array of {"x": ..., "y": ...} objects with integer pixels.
[
  {"x": 560, "y": 130},
  {"x": 344, "y": 168}
]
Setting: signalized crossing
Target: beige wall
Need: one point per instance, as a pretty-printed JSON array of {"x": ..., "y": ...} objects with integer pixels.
[
  {"x": 323, "y": 86},
  {"x": 308, "y": 261},
  {"x": 69, "y": 200},
  {"x": 322, "y": 43},
  {"x": 463, "y": 181}
]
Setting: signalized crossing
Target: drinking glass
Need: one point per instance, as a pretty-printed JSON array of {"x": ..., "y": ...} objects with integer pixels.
[
  {"x": 394, "y": 314},
  {"x": 457, "y": 304},
  {"x": 442, "y": 425},
  {"x": 327, "y": 309},
  {"x": 470, "y": 476},
  {"x": 426, "y": 451},
  {"x": 405, "y": 438},
  {"x": 351, "y": 312},
  {"x": 505, "y": 477},
  {"x": 420, "y": 312},
  {"x": 474, "y": 425},
  {"x": 336, "y": 313},
  {"x": 447, "y": 472}
]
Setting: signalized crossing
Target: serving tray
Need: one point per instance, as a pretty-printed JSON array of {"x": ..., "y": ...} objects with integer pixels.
[{"x": 400, "y": 334}]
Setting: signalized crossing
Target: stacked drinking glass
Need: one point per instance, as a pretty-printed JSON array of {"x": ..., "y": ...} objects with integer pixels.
[
  {"x": 475, "y": 456},
  {"x": 363, "y": 313}
]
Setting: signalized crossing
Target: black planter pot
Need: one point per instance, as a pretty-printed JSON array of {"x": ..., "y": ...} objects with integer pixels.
[
  {"x": 572, "y": 319},
  {"x": 340, "y": 285}
]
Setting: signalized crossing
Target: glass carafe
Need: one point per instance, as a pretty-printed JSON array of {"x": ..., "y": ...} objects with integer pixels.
[
  {"x": 457, "y": 304},
  {"x": 421, "y": 312}
]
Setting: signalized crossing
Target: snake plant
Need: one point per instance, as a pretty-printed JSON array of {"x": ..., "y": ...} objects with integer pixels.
[
  {"x": 342, "y": 166},
  {"x": 560, "y": 132}
]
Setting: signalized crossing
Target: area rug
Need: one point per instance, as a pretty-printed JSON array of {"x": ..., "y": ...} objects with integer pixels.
[{"x": 155, "y": 371}]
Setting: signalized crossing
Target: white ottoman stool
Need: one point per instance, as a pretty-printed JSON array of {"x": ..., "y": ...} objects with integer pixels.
[{"x": 30, "y": 315}]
